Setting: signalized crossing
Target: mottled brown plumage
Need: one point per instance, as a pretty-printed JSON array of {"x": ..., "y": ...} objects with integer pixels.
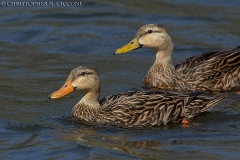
[
  {"x": 212, "y": 72},
  {"x": 133, "y": 109}
]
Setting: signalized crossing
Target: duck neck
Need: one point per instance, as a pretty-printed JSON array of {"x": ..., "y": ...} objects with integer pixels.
[
  {"x": 86, "y": 109},
  {"x": 91, "y": 99},
  {"x": 162, "y": 73},
  {"x": 164, "y": 51},
  {"x": 164, "y": 58}
]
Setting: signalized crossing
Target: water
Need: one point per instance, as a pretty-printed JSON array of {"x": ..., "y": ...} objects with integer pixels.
[{"x": 39, "y": 46}]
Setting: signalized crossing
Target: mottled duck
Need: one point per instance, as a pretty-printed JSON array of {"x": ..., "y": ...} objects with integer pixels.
[
  {"x": 217, "y": 71},
  {"x": 132, "y": 109}
]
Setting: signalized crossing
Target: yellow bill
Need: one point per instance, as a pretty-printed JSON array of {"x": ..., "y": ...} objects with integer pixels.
[
  {"x": 65, "y": 89},
  {"x": 129, "y": 47}
]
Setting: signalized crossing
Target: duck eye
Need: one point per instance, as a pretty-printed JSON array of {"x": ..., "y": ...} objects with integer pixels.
[
  {"x": 149, "y": 31},
  {"x": 83, "y": 74}
]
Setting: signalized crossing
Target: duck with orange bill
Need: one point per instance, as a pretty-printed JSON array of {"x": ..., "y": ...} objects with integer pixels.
[{"x": 132, "y": 109}]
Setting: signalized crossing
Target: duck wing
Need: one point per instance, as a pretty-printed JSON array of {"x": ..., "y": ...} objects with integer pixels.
[
  {"x": 143, "y": 109},
  {"x": 213, "y": 71}
]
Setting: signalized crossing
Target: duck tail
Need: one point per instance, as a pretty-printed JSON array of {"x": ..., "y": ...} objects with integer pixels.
[
  {"x": 202, "y": 103},
  {"x": 213, "y": 101}
]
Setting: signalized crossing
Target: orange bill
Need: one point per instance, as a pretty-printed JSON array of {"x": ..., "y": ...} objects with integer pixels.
[{"x": 65, "y": 89}]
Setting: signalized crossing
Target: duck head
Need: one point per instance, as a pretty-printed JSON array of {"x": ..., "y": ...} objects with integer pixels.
[
  {"x": 81, "y": 78},
  {"x": 153, "y": 36}
]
